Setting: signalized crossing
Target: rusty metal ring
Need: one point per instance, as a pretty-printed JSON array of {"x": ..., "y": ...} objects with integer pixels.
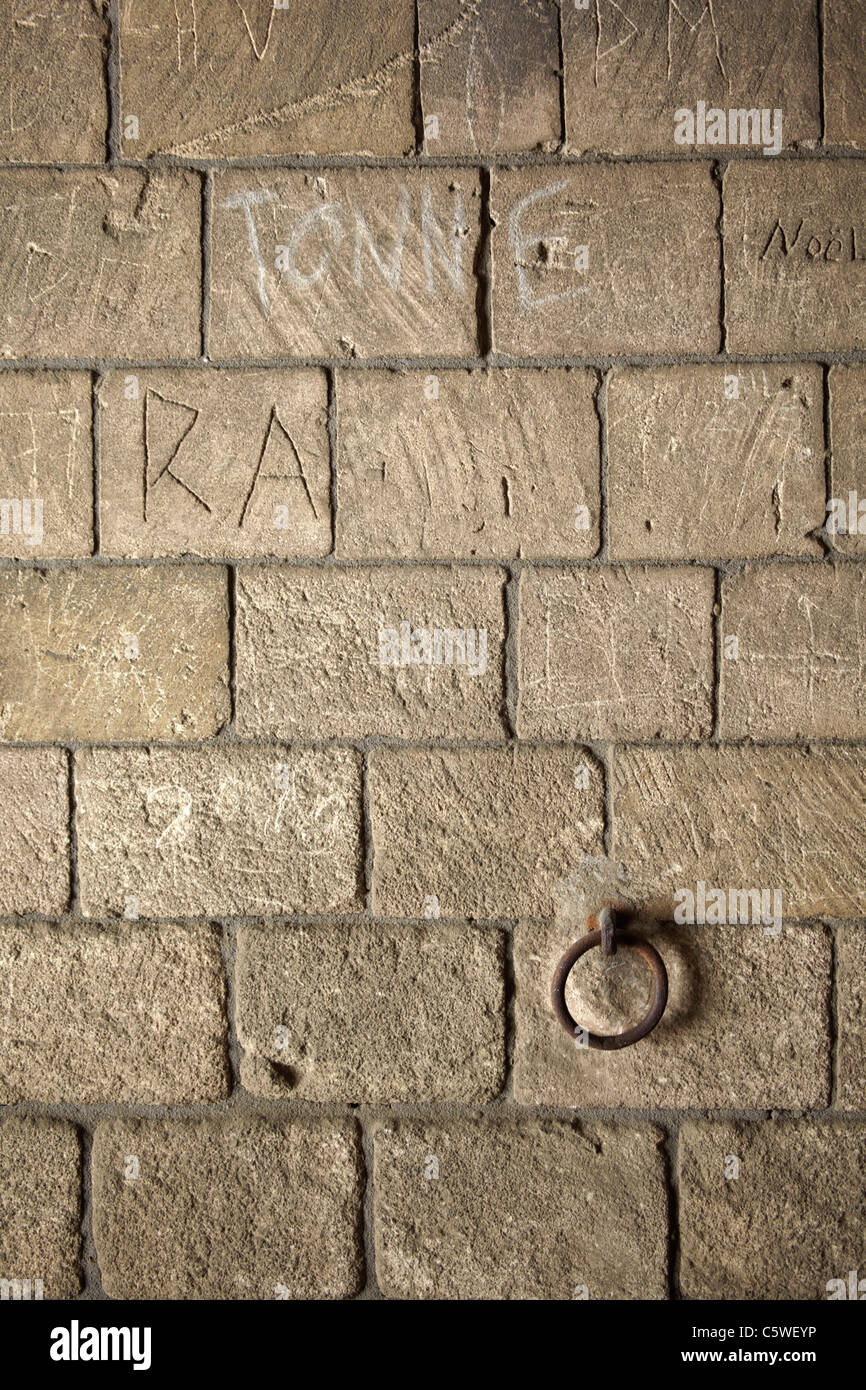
[{"x": 611, "y": 1042}]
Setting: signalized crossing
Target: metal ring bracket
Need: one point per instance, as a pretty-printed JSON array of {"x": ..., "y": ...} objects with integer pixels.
[{"x": 608, "y": 937}]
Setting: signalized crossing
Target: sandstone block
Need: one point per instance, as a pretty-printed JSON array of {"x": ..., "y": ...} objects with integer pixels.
[
  {"x": 46, "y": 465},
  {"x": 218, "y": 830},
  {"x": 218, "y": 464},
  {"x": 235, "y": 1208},
  {"x": 519, "y": 1210},
  {"x": 481, "y": 832},
  {"x": 123, "y": 1013},
  {"x": 34, "y": 833},
  {"x": 616, "y": 653},
  {"x": 728, "y": 1038},
  {"x": 489, "y": 76},
  {"x": 336, "y": 653},
  {"x": 113, "y": 653},
  {"x": 344, "y": 263},
  {"x": 797, "y": 672},
  {"x": 371, "y": 1013},
  {"x": 715, "y": 461},
  {"x": 775, "y": 818},
  {"x": 100, "y": 264},
  {"x": 605, "y": 258},
  {"x": 40, "y": 1208},
  {"x": 631, "y": 69},
  {"x": 787, "y": 1225},
  {"x": 242, "y": 80},
  {"x": 458, "y": 464},
  {"x": 795, "y": 243}
]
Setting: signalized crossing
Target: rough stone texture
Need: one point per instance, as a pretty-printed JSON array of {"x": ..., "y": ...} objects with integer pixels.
[
  {"x": 715, "y": 461},
  {"x": 848, "y": 436},
  {"x": 218, "y": 829},
  {"x": 799, "y": 671},
  {"x": 100, "y": 264},
  {"x": 254, "y": 79},
  {"x": 630, "y": 67},
  {"x": 53, "y": 103},
  {"x": 453, "y": 464},
  {"x": 369, "y": 1013},
  {"x": 483, "y": 831},
  {"x": 795, "y": 241},
  {"x": 228, "y": 1208},
  {"x": 519, "y": 1210},
  {"x": 46, "y": 464},
  {"x": 729, "y": 1037},
  {"x": 113, "y": 653},
  {"x": 40, "y": 1204},
  {"x": 214, "y": 463},
  {"x": 844, "y": 72},
  {"x": 791, "y": 1222},
  {"x": 34, "y": 831},
  {"x": 120, "y": 1013},
  {"x": 851, "y": 1017},
  {"x": 373, "y": 261},
  {"x": 334, "y": 653},
  {"x": 743, "y": 817},
  {"x": 313, "y": 328},
  {"x": 651, "y": 277},
  {"x": 616, "y": 653},
  {"x": 489, "y": 76}
]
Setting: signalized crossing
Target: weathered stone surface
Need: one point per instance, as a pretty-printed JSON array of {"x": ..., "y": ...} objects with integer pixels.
[
  {"x": 53, "y": 103},
  {"x": 120, "y": 1013},
  {"x": 263, "y": 79},
  {"x": 219, "y": 829},
  {"x": 489, "y": 76},
  {"x": 482, "y": 832},
  {"x": 851, "y": 1017},
  {"x": 40, "y": 1207},
  {"x": 772, "y": 817},
  {"x": 371, "y": 1013},
  {"x": 519, "y": 1210},
  {"x": 236, "y": 1208},
  {"x": 728, "y": 1037},
  {"x": 337, "y": 653},
  {"x": 715, "y": 461},
  {"x": 605, "y": 258},
  {"x": 610, "y": 653},
  {"x": 100, "y": 264},
  {"x": 630, "y": 68},
  {"x": 214, "y": 463},
  {"x": 46, "y": 464},
  {"x": 847, "y": 515},
  {"x": 113, "y": 653},
  {"x": 788, "y": 1224},
  {"x": 799, "y": 666},
  {"x": 795, "y": 243},
  {"x": 452, "y": 464},
  {"x": 344, "y": 262},
  {"x": 34, "y": 832},
  {"x": 844, "y": 73}
]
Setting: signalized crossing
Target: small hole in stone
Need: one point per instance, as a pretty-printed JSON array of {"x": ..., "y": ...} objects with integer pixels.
[{"x": 285, "y": 1076}]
